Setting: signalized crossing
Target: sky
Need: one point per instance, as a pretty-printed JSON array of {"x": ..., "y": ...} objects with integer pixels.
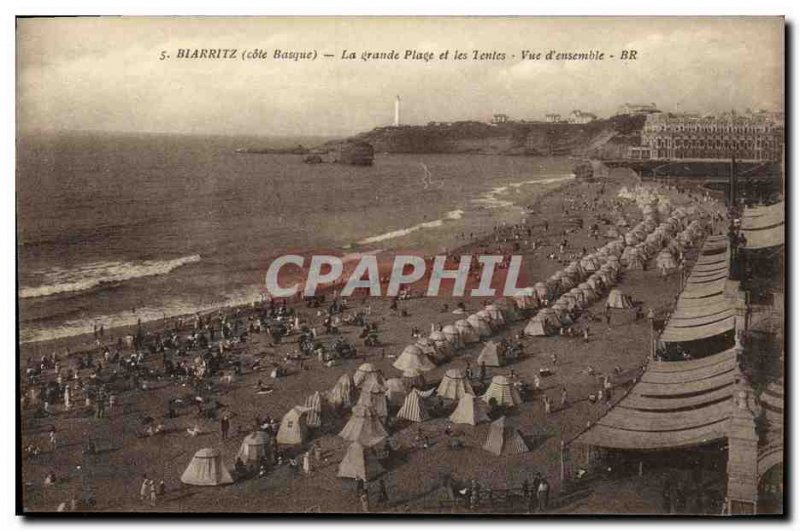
[{"x": 105, "y": 73}]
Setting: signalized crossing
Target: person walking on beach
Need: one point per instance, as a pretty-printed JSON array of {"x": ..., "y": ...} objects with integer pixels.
[
  {"x": 564, "y": 400},
  {"x": 225, "y": 426},
  {"x": 53, "y": 440},
  {"x": 543, "y": 494},
  {"x": 383, "y": 496},
  {"x": 153, "y": 493},
  {"x": 144, "y": 489},
  {"x": 546, "y": 401},
  {"x": 365, "y": 501}
]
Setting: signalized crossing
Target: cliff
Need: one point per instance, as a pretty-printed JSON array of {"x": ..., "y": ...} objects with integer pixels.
[{"x": 608, "y": 138}]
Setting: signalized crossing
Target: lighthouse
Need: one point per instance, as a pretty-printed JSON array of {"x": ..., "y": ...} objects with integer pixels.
[{"x": 397, "y": 111}]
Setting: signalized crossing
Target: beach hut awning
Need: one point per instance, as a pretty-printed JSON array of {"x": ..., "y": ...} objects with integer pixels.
[{"x": 674, "y": 405}]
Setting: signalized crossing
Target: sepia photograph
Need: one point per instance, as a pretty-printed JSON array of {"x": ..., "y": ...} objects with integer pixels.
[{"x": 454, "y": 266}]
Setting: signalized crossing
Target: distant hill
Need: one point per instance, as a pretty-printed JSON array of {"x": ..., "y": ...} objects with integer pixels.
[{"x": 607, "y": 138}]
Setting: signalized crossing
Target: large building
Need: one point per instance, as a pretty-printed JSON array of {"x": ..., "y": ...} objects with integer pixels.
[
  {"x": 637, "y": 108},
  {"x": 748, "y": 136},
  {"x": 581, "y": 117}
]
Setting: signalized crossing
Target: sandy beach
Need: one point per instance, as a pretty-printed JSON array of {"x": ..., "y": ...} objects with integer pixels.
[{"x": 111, "y": 476}]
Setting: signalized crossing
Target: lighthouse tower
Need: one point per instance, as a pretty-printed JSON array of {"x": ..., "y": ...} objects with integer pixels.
[{"x": 397, "y": 111}]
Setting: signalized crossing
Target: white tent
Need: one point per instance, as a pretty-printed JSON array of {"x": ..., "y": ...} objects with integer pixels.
[
  {"x": 454, "y": 385},
  {"x": 359, "y": 463},
  {"x": 364, "y": 427},
  {"x": 470, "y": 410},
  {"x": 412, "y": 357},
  {"x": 365, "y": 373},
  {"x": 255, "y": 448},
  {"x": 206, "y": 469},
  {"x": 343, "y": 392},
  {"x": 314, "y": 405},
  {"x": 502, "y": 391},
  {"x": 492, "y": 354},
  {"x": 453, "y": 336},
  {"x": 395, "y": 391},
  {"x": 480, "y": 324},
  {"x": 466, "y": 332},
  {"x": 504, "y": 439},
  {"x": 293, "y": 428},
  {"x": 543, "y": 323},
  {"x": 618, "y": 299}
]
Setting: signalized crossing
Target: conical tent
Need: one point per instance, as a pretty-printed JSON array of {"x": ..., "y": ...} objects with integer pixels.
[
  {"x": 543, "y": 323},
  {"x": 508, "y": 308},
  {"x": 293, "y": 428},
  {"x": 501, "y": 390},
  {"x": 343, "y": 393},
  {"x": 504, "y": 439},
  {"x": 454, "y": 385},
  {"x": 480, "y": 325},
  {"x": 541, "y": 291},
  {"x": 496, "y": 315},
  {"x": 206, "y": 469},
  {"x": 412, "y": 357},
  {"x": 255, "y": 448},
  {"x": 635, "y": 263},
  {"x": 470, "y": 410},
  {"x": 444, "y": 349},
  {"x": 374, "y": 395},
  {"x": 466, "y": 333},
  {"x": 359, "y": 463},
  {"x": 314, "y": 405},
  {"x": 365, "y": 373},
  {"x": 453, "y": 336},
  {"x": 364, "y": 427},
  {"x": 395, "y": 391},
  {"x": 618, "y": 299},
  {"x": 492, "y": 355},
  {"x": 413, "y": 408},
  {"x": 527, "y": 301}
]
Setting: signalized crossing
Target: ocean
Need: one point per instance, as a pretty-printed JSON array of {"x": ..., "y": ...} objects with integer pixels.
[{"x": 114, "y": 228}]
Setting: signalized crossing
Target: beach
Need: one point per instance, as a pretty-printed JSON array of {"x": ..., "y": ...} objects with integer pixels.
[{"x": 414, "y": 479}]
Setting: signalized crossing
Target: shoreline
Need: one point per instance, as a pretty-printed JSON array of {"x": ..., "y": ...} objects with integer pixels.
[{"x": 517, "y": 211}]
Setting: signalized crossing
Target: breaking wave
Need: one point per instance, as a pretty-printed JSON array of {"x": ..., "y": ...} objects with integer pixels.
[
  {"x": 90, "y": 276},
  {"x": 453, "y": 215}
]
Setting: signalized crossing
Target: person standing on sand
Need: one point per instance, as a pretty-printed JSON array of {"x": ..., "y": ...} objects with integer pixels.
[
  {"x": 144, "y": 488},
  {"x": 365, "y": 501},
  {"x": 564, "y": 400},
  {"x": 543, "y": 494},
  {"x": 546, "y": 401},
  {"x": 153, "y": 493},
  {"x": 225, "y": 426}
]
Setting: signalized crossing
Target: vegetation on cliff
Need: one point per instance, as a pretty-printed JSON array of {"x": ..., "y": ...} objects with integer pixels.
[{"x": 607, "y": 138}]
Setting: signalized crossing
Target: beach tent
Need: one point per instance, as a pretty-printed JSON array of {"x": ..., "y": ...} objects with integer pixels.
[
  {"x": 480, "y": 324},
  {"x": 501, "y": 390},
  {"x": 543, "y": 323},
  {"x": 364, "y": 427},
  {"x": 508, "y": 309},
  {"x": 413, "y": 378},
  {"x": 453, "y": 336},
  {"x": 413, "y": 408},
  {"x": 504, "y": 438},
  {"x": 562, "y": 313},
  {"x": 454, "y": 385},
  {"x": 666, "y": 262},
  {"x": 343, "y": 392},
  {"x": 492, "y": 355},
  {"x": 541, "y": 291},
  {"x": 255, "y": 448},
  {"x": 527, "y": 301},
  {"x": 314, "y": 405},
  {"x": 442, "y": 344},
  {"x": 293, "y": 428},
  {"x": 466, "y": 332},
  {"x": 612, "y": 232},
  {"x": 395, "y": 391},
  {"x": 367, "y": 372},
  {"x": 618, "y": 299},
  {"x": 497, "y": 320},
  {"x": 374, "y": 395},
  {"x": 359, "y": 463},
  {"x": 635, "y": 263},
  {"x": 412, "y": 357},
  {"x": 470, "y": 410},
  {"x": 206, "y": 469}
]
